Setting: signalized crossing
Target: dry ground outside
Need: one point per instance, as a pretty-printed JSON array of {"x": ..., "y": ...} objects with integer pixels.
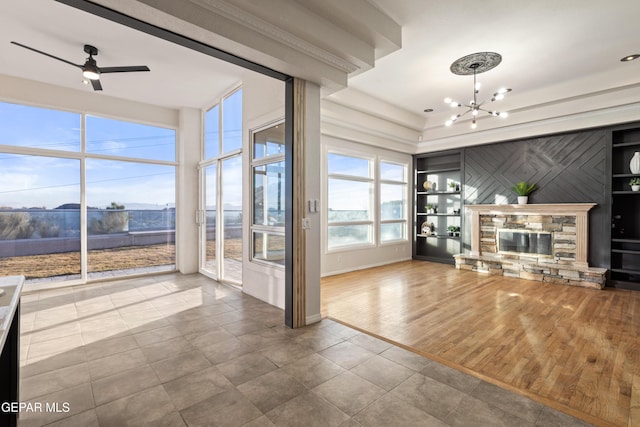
[{"x": 68, "y": 263}]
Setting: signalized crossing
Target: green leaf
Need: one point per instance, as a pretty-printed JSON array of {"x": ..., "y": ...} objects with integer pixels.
[{"x": 523, "y": 188}]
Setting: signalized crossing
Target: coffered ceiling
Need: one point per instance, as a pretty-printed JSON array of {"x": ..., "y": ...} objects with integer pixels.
[{"x": 561, "y": 58}]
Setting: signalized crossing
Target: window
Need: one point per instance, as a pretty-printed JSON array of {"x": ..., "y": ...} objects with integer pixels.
[
  {"x": 350, "y": 191},
  {"x": 393, "y": 202},
  {"x": 212, "y": 132},
  {"x": 221, "y": 169},
  {"x": 40, "y": 128},
  {"x": 126, "y": 139},
  {"x": 232, "y": 122},
  {"x": 367, "y": 200},
  {"x": 223, "y": 126},
  {"x": 267, "y": 227},
  {"x": 126, "y": 171}
]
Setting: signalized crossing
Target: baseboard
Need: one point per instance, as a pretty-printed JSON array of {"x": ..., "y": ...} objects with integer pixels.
[
  {"x": 364, "y": 267},
  {"x": 315, "y": 318}
]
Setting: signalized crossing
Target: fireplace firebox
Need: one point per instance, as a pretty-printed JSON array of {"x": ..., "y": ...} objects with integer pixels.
[{"x": 525, "y": 242}]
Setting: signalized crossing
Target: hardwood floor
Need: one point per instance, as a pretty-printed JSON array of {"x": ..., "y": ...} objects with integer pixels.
[{"x": 574, "y": 349}]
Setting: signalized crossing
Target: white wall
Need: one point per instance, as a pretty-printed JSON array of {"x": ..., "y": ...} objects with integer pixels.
[
  {"x": 262, "y": 103},
  {"x": 356, "y": 258},
  {"x": 187, "y": 235},
  {"x": 313, "y": 179},
  {"x": 29, "y": 92}
]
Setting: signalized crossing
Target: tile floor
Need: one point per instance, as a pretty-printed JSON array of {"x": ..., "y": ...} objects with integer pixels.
[{"x": 183, "y": 350}]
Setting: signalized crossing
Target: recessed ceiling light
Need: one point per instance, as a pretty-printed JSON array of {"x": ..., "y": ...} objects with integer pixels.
[
  {"x": 630, "y": 57},
  {"x": 428, "y": 110}
]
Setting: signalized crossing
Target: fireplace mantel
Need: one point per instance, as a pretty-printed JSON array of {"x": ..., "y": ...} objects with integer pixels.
[
  {"x": 579, "y": 210},
  {"x": 533, "y": 209}
]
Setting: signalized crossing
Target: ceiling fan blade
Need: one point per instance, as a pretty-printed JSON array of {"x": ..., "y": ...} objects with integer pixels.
[
  {"x": 46, "y": 54},
  {"x": 96, "y": 85},
  {"x": 124, "y": 69}
]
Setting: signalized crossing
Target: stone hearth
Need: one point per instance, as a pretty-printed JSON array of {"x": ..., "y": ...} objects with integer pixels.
[{"x": 569, "y": 229}]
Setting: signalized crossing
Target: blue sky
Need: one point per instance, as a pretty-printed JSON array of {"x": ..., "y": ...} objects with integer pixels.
[{"x": 42, "y": 181}]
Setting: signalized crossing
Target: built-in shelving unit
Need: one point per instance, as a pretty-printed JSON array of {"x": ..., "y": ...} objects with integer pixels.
[
  {"x": 437, "y": 206},
  {"x": 625, "y": 212}
]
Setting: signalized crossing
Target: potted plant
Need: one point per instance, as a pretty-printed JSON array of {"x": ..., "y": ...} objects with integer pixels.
[
  {"x": 523, "y": 189},
  {"x": 452, "y": 186},
  {"x": 429, "y": 208},
  {"x": 635, "y": 184},
  {"x": 451, "y": 229}
]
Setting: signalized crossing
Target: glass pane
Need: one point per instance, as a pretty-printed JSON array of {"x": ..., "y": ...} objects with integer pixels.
[
  {"x": 232, "y": 122},
  {"x": 349, "y": 200},
  {"x": 210, "y": 222},
  {"x": 392, "y": 201},
  {"x": 126, "y": 139},
  {"x": 268, "y": 142},
  {"x": 268, "y": 194},
  {"x": 212, "y": 133},
  {"x": 392, "y": 172},
  {"x": 232, "y": 217},
  {"x": 39, "y": 217},
  {"x": 392, "y": 231},
  {"x": 347, "y": 165},
  {"x": 25, "y": 126},
  {"x": 349, "y": 235},
  {"x": 130, "y": 217},
  {"x": 268, "y": 247}
]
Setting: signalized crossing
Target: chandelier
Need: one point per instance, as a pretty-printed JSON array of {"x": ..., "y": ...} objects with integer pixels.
[{"x": 476, "y": 63}]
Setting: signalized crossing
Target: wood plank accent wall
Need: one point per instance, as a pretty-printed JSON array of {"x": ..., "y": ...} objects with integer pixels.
[{"x": 568, "y": 168}]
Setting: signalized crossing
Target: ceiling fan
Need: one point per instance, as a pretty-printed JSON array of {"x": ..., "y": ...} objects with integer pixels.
[{"x": 90, "y": 69}]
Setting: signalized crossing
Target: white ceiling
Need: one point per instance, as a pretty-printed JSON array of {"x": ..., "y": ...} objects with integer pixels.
[
  {"x": 179, "y": 77},
  {"x": 553, "y": 51}
]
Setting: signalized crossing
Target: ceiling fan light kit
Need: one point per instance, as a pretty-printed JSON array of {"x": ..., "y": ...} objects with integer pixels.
[
  {"x": 90, "y": 69},
  {"x": 475, "y": 64}
]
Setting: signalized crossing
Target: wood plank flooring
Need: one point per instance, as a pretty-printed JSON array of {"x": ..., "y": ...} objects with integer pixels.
[{"x": 574, "y": 349}]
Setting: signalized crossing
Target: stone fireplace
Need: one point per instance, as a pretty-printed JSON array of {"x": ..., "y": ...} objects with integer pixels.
[{"x": 545, "y": 242}]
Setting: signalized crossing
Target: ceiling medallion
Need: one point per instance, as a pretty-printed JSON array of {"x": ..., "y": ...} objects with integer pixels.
[{"x": 476, "y": 63}]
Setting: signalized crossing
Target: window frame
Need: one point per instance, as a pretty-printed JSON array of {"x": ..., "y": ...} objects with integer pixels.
[
  {"x": 376, "y": 222},
  {"x": 371, "y": 179},
  {"x": 405, "y": 187},
  {"x": 258, "y": 162},
  {"x": 82, "y": 155}
]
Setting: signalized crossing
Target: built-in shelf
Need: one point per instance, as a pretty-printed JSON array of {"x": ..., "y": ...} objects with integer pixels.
[
  {"x": 626, "y": 271},
  {"x": 439, "y": 169},
  {"x": 626, "y": 144},
  {"x": 625, "y": 240},
  {"x": 625, "y": 245},
  {"x": 438, "y": 236},
  {"x": 437, "y": 193},
  {"x": 625, "y": 251},
  {"x": 434, "y": 171}
]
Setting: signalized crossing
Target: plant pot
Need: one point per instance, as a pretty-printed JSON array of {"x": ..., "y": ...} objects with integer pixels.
[
  {"x": 523, "y": 200},
  {"x": 635, "y": 188},
  {"x": 450, "y": 234}
]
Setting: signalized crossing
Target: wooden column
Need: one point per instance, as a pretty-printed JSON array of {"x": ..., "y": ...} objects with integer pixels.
[
  {"x": 582, "y": 240},
  {"x": 299, "y": 238}
]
